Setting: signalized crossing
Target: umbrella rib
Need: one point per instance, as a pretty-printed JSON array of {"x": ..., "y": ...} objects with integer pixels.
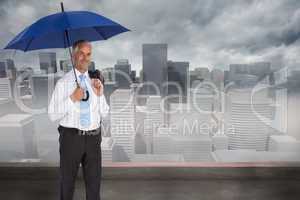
[
  {"x": 102, "y": 35},
  {"x": 27, "y": 46},
  {"x": 66, "y": 45}
]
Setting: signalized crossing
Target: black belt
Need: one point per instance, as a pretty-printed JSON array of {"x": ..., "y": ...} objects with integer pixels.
[{"x": 80, "y": 132}]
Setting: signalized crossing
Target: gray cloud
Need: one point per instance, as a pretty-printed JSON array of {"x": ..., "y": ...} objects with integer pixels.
[{"x": 207, "y": 33}]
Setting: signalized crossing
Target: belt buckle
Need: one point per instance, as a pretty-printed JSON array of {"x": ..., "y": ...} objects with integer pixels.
[{"x": 82, "y": 132}]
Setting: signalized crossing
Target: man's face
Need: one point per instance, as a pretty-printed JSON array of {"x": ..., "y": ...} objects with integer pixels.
[{"x": 82, "y": 56}]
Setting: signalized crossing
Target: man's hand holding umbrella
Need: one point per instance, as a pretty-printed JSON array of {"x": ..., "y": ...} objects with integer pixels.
[{"x": 79, "y": 93}]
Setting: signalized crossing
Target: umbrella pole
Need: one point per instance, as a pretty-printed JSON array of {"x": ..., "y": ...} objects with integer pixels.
[
  {"x": 68, "y": 45},
  {"x": 72, "y": 62},
  {"x": 73, "y": 66}
]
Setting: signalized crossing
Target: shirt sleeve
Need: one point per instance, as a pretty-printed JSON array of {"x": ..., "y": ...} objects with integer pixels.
[
  {"x": 104, "y": 108},
  {"x": 60, "y": 103}
]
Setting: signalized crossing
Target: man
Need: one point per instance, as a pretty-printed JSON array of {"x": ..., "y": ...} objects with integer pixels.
[{"x": 79, "y": 126}]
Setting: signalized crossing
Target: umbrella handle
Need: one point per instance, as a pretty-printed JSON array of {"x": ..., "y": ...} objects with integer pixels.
[{"x": 87, "y": 96}]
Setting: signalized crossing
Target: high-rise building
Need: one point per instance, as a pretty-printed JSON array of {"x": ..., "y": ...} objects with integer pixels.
[
  {"x": 133, "y": 76},
  {"x": 226, "y": 78},
  {"x": 65, "y": 65},
  {"x": 108, "y": 74},
  {"x": 107, "y": 148},
  {"x": 258, "y": 69},
  {"x": 18, "y": 135},
  {"x": 109, "y": 85},
  {"x": 3, "y": 69},
  {"x": 5, "y": 89},
  {"x": 250, "y": 115},
  {"x": 92, "y": 66},
  {"x": 8, "y": 70},
  {"x": 194, "y": 117},
  {"x": 178, "y": 79},
  {"x": 217, "y": 77},
  {"x": 12, "y": 71},
  {"x": 199, "y": 74},
  {"x": 287, "y": 97},
  {"x": 194, "y": 149},
  {"x": 153, "y": 120},
  {"x": 283, "y": 143},
  {"x": 162, "y": 141},
  {"x": 122, "y": 74},
  {"x": 155, "y": 69},
  {"x": 122, "y": 119},
  {"x": 48, "y": 62}
]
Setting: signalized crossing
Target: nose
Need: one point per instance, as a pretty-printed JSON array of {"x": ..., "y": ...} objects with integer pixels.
[{"x": 85, "y": 57}]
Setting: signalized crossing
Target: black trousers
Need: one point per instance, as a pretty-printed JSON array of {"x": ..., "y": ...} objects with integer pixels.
[{"x": 75, "y": 149}]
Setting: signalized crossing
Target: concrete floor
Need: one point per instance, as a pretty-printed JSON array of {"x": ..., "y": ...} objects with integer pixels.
[{"x": 159, "y": 189}]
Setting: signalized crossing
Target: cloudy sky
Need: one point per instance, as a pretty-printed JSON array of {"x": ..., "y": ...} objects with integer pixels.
[{"x": 207, "y": 33}]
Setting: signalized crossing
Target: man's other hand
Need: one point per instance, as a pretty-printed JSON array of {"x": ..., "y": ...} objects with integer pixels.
[{"x": 97, "y": 87}]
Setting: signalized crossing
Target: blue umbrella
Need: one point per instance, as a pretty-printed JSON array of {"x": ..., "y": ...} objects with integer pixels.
[{"x": 62, "y": 29}]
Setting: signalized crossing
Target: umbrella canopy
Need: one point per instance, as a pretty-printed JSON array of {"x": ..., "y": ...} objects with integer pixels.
[{"x": 62, "y": 29}]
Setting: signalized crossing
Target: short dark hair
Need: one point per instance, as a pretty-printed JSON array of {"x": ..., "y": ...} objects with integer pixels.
[{"x": 77, "y": 43}]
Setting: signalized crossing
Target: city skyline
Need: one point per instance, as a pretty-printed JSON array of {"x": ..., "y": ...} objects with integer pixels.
[
  {"x": 204, "y": 133},
  {"x": 222, "y": 83},
  {"x": 197, "y": 32}
]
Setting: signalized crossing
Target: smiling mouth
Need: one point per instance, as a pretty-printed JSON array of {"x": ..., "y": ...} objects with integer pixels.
[{"x": 85, "y": 62}]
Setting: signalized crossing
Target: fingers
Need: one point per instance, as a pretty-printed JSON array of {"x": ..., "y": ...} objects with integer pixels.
[
  {"x": 97, "y": 83},
  {"x": 97, "y": 86},
  {"x": 80, "y": 90}
]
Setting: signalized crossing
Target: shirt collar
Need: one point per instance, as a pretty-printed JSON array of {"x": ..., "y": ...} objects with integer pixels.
[{"x": 79, "y": 73}]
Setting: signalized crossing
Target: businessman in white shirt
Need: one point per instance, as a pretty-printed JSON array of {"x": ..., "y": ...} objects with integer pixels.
[{"x": 79, "y": 126}]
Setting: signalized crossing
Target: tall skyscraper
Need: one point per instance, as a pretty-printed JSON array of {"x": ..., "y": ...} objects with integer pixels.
[
  {"x": 48, "y": 62},
  {"x": 178, "y": 76},
  {"x": 122, "y": 74},
  {"x": 155, "y": 68}
]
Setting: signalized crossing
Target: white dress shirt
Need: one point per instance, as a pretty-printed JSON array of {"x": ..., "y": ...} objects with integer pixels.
[{"x": 62, "y": 107}]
